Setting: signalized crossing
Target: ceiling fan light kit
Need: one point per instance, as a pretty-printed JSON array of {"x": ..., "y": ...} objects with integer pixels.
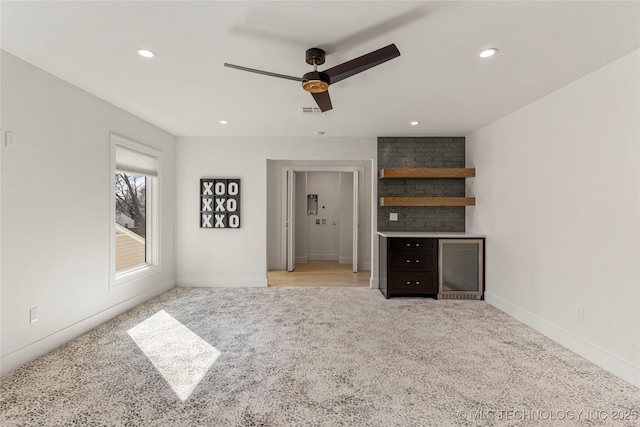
[{"x": 317, "y": 82}]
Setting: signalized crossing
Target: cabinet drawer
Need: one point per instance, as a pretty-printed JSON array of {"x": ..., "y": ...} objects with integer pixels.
[
  {"x": 412, "y": 284},
  {"x": 401, "y": 244},
  {"x": 413, "y": 261}
]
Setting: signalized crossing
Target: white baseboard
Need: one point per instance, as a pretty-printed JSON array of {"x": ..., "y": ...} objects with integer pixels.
[
  {"x": 600, "y": 357},
  {"x": 374, "y": 283},
  {"x": 366, "y": 266},
  {"x": 222, "y": 282},
  {"x": 14, "y": 360},
  {"x": 323, "y": 257},
  {"x": 345, "y": 260},
  {"x": 301, "y": 260}
]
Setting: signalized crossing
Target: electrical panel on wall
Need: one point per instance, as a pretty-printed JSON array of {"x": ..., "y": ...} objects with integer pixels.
[
  {"x": 312, "y": 204},
  {"x": 219, "y": 203}
]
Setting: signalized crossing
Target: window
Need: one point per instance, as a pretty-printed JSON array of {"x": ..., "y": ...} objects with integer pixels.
[
  {"x": 134, "y": 210},
  {"x": 131, "y": 220}
]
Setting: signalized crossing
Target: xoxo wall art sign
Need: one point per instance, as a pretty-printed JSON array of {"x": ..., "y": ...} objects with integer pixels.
[{"x": 219, "y": 203}]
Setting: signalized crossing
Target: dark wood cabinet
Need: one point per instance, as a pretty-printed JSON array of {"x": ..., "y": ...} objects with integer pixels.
[
  {"x": 408, "y": 267},
  {"x": 437, "y": 265}
]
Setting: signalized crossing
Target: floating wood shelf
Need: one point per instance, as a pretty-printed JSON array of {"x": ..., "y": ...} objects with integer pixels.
[
  {"x": 427, "y": 173},
  {"x": 427, "y": 201}
]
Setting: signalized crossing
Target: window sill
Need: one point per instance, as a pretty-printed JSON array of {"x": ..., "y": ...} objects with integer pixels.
[{"x": 134, "y": 274}]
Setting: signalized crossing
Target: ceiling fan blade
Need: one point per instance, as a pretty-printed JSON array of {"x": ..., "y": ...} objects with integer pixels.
[
  {"x": 323, "y": 100},
  {"x": 266, "y": 73},
  {"x": 362, "y": 63}
]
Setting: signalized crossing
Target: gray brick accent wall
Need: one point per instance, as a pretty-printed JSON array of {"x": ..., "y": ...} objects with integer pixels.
[{"x": 422, "y": 152}]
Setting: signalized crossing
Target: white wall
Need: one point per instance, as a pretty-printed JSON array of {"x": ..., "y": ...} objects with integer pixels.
[
  {"x": 323, "y": 241},
  {"x": 558, "y": 197},
  {"x": 217, "y": 257},
  {"x": 56, "y": 189}
]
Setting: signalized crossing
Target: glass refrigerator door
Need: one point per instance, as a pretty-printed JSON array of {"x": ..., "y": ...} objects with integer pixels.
[{"x": 460, "y": 267}]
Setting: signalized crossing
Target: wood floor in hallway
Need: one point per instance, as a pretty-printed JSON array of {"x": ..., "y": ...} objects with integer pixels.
[{"x": 320, "y": 273}]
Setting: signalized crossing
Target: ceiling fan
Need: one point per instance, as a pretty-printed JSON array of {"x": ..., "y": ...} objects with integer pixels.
[{"x": 317, "y": 82}]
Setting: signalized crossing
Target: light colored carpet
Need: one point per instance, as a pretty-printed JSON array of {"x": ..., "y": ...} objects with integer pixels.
[{"x": 312, "y": 357}]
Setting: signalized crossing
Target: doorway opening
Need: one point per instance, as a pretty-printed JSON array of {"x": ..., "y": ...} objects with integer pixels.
[{"x": 322, "y": 241}]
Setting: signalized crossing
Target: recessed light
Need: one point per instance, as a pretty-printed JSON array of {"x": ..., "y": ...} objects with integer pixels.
[
  {"x": 414, "y": 123},
  {"x": 146, "y": 53},
  {"x": 224, "y": 122},
  {"x": 488, "y": 52}
]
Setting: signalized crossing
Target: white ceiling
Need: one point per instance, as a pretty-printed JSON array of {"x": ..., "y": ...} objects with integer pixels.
[{"x": 439, "y": 79}]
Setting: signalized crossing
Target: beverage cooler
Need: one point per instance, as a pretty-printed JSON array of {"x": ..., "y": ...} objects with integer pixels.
[{"x": 460, "y": 268}]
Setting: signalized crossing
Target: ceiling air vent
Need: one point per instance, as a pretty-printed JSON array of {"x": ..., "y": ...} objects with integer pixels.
[{"x": 311, "y": 111}]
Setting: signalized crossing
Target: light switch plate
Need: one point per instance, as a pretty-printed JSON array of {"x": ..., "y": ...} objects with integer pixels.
[
  {"x": 393, "y": 216},
  {"x": 10, "y": 139},
  {"x": 34, "y": 314}
]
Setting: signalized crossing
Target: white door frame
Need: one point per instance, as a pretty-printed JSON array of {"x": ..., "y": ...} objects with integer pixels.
[
  {"x": 290, "y": 221},
  {"x": 285, "y": 171},
  {"x": 356, "y": 221}
]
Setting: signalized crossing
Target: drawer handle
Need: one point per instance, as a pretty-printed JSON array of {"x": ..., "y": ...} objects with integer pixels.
[
  {"x": 417, "y": 260},
  {"x": 417, "y": 245},
  {"x": 408, "y": 283},
  {"x": 408, "y": 244}
]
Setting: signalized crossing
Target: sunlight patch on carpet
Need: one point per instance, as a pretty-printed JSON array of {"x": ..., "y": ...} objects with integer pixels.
[{"x": 179, "y": 355}]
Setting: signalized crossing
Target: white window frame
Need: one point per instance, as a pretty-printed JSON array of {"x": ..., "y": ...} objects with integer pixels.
[{"x": 152, "y": 238}]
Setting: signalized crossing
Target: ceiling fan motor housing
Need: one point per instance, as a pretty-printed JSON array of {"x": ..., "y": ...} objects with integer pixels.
[{"x": 315, "y": 82}]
